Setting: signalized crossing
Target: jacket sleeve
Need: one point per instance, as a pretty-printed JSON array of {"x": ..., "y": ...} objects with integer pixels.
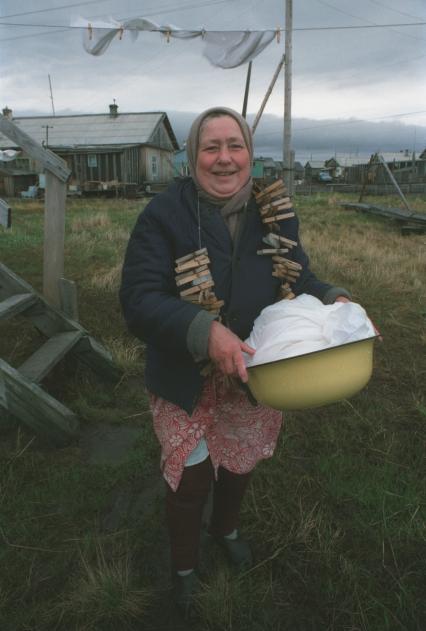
[{"x": 149, "y": 297}]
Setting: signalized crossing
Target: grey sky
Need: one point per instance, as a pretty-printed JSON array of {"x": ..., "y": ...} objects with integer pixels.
[{"x": 371, "y": 74}]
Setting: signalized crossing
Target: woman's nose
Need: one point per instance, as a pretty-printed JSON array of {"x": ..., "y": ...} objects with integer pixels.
[{"x": 224, "y": 155}]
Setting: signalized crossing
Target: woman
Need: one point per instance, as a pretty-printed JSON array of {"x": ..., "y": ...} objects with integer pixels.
[{"x": 209, "y": 430}]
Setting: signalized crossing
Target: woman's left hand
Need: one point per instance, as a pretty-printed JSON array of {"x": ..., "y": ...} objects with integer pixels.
[{"x": 226, "y": 350}]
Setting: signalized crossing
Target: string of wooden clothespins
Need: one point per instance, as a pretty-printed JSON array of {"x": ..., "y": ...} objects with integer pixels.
[
  {"x": 193, "y": 276},
  {"x": 274, "y": 201},
  {"x": 195, "y": 282}
]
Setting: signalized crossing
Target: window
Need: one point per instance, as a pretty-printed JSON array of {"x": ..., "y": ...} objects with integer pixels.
[
  {"x": 92, "y": 160},
  {"x": 154, "y": 171}
]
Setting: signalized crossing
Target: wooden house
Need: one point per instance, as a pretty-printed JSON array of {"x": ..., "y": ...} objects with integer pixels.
[
  {"x": 123, "y": 149},
  {"x": 313, "y": 169},
  {"x": 347, "y": 168}
]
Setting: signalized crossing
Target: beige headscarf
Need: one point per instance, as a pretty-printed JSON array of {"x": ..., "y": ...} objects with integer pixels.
[{"x": 231, "y": 205}]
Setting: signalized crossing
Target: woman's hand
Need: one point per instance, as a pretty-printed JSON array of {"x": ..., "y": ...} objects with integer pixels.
[{"x": 226, "y": 351}]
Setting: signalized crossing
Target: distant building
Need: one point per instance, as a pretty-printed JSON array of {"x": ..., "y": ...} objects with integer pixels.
[
  {"x": 132, "y": 148},
  {"x": 313, "y": 168},
  {"x": 180, "y": 164}
]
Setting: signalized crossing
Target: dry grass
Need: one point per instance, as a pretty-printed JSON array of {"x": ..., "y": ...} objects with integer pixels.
[
  {"x": 102, "y": 595},
  {"x": 95, "y": 221},
  {"x": 336, "y": 518},
  {"x": 107, "y": 279}
]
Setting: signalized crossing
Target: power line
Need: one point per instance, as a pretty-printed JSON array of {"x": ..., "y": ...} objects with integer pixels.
[
  {"x": 301, "y": 28},
  {"x": 357, "y": 17},
  {"x": 359, "y": 26},
  {"x": 65, "y": 6},
  {"x": 410, "y": 15},
  {"x": 61, "y": 28}
]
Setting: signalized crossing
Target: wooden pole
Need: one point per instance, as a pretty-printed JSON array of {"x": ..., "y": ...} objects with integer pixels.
[
  {"x": 267, "y": 95},
  {"x": 246, "y": 92},
  {"x": 54, "y": 238},
  {"x": 288, "y": 174},
  {"x": 394, "y": 182}
]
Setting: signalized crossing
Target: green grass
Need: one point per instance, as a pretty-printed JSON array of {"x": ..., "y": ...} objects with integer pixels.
[{"x": 337, "y": 517}]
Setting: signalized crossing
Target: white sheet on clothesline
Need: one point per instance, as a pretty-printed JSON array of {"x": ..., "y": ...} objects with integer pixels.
[
  {"x": 8, "y": 155},
  {"x": 225, "y": 49},
  {"x": 295, "y": 327}
]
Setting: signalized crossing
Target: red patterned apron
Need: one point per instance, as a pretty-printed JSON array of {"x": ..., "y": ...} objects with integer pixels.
[{"x": 238, "y": 434}]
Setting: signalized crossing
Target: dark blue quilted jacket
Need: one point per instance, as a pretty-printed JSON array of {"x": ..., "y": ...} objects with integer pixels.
[{"x": 167, "y": 229}]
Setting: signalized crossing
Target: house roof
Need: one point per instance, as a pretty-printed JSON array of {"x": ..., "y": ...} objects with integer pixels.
[
  {"x": 315, "y": 164},
  {"x": 397, "y": 156},
  {"x": 348, "y": 160},
  {"x": 94, "y": 129}
]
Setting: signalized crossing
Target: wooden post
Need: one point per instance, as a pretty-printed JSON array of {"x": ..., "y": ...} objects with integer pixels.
[
  {"x": 267, "y": 95},
  {"x": 69, "y": 301},
  {"x": 54, "y": 237},
  {"x": 288, "y": 174},
  {"x": 5, "y": 214},
  {"x": 394, "y": 182},
  {"x": 246, "y": 93}
]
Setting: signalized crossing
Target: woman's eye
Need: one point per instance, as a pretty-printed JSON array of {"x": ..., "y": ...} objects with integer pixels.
[{"x": 236, "y": 146}]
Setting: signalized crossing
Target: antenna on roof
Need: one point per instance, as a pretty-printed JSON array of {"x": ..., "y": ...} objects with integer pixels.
[{"x": 51, "y": 95}]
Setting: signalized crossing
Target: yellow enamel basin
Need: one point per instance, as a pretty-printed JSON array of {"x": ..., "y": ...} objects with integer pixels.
[{"x": 314, "y": 379}]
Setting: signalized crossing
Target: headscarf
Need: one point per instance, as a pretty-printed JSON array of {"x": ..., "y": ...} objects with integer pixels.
[{"x": 229, "y": 205}]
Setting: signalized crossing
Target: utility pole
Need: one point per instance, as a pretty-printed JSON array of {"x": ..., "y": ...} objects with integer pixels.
[
  {"x": 47, "y": 127},
  {"x": 287, "y": 155},
  {"x": 51, "y": 95}
]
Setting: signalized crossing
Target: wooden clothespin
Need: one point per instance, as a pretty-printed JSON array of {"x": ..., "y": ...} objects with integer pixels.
[
  {"x": 90, "y": 29},
  {"x": 120, "y": 32},
  {"x": 168, "y": 34}
]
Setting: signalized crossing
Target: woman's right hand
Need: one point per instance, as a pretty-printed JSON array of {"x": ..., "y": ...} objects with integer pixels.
[{"x": 226, "y": 351}]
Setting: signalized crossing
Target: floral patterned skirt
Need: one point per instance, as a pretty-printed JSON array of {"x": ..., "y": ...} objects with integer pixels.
[{"x": 238, "y": 434}]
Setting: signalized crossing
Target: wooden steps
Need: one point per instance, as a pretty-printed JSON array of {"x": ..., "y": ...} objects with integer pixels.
[
  {"x": 20, "y": 393},
  {"x": 10, "y": 307},
  {"x": 45, "y": 358}
]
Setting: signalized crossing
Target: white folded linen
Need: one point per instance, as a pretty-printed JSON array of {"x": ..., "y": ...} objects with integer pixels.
[{"x": 295, "y": 327}]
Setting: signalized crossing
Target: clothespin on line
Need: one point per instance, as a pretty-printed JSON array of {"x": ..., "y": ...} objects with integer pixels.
[
  {"x": 278, "y": 34},
  {"x": 120, "y": 32},
  {"x": 90, "y": 29},
  {"x": 168, "y": 34}
]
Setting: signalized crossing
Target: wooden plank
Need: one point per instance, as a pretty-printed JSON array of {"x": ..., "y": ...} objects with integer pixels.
[
  {"x": 15, "y": 304},
  {"x": 278, "y": 217},
  {"x": 54, "y": 238},
  {"x": 5, "y": 214},
  {"x": 90, "y": 352},
  {"x": 271, "y": 188},
  {"x": 68, "y": 296},
  {"x": 190, "y": 256},
  {"x": 35, "y": 408},
  {"x": 274, "y": 251},
  {"x": 49, "y": 160},
  {"x": 36, "y": 367}
]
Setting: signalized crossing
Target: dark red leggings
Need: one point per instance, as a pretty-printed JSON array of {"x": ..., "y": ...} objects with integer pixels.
[{"x": 184, "y": 509}]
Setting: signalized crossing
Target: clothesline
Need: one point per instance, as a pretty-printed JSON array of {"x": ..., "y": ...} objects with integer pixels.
[{"x": 225, "y": 49}]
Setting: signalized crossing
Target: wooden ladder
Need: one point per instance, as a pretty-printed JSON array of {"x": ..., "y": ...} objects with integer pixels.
[{"x": 20, "y": 392}]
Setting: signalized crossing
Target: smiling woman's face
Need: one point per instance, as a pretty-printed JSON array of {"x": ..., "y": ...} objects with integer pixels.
[{"x": 223, "y": 160}]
